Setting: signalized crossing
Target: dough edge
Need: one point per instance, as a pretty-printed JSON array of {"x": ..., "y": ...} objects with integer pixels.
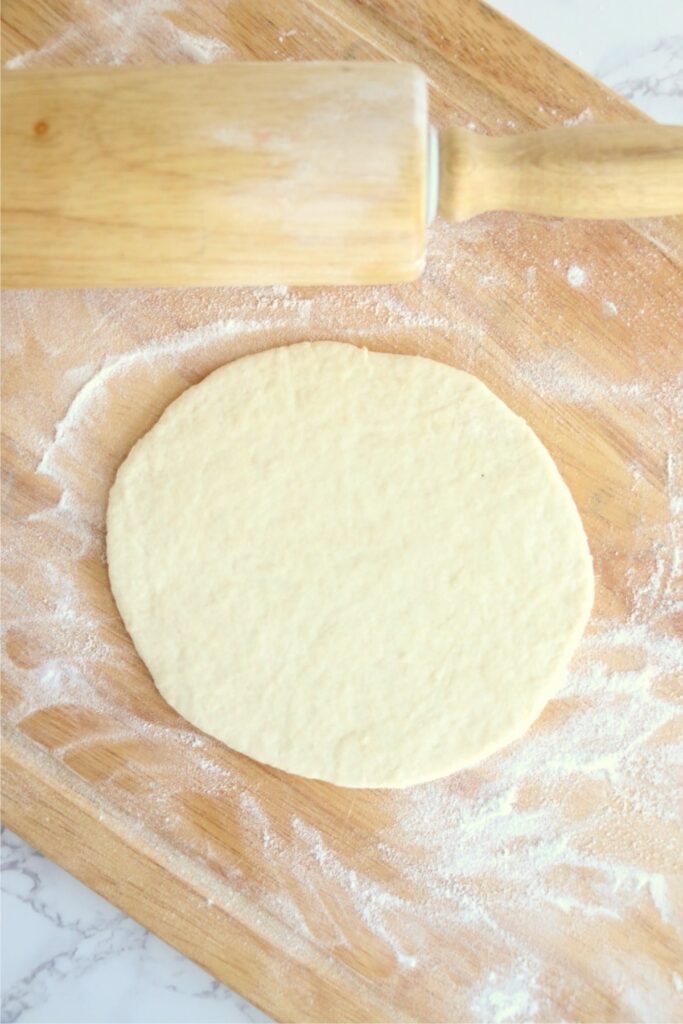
[{"x": 404, "y": 776}]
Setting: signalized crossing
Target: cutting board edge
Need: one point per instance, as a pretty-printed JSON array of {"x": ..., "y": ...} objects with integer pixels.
[
  {"x": 65, "y": 826},
  {"x": 34, "y": 798}
]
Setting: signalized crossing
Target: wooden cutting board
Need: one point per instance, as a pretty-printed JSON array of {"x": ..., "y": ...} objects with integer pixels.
[{"x": 543, "y": 885}]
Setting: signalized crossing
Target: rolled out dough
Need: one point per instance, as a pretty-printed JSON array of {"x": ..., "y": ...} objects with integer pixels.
[{"x": 354, "y": 566}]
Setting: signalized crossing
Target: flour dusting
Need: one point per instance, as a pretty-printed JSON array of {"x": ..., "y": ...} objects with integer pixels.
[
  {"x": 491, "y": 864},
  {"x": 117, "y": 34},
  {"x": 583, "y": 117},
  {"x": 576, "y": 276},
  {"x": 566, "y": 840}
]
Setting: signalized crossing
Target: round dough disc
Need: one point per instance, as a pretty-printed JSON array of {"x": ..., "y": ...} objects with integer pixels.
[{"x": 354, "y": 566}]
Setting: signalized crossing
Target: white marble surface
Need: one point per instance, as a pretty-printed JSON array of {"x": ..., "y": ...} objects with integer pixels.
[{"x": 67, "y": 954}]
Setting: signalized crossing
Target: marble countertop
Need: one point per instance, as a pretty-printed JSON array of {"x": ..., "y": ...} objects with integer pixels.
[{"x": 68, "y": 955}]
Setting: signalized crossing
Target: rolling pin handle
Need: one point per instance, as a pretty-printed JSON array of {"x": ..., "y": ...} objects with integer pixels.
[{"x": 608, "y": 171}]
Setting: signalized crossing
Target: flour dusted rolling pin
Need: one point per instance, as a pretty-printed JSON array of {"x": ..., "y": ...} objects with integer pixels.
[{"x": 313, "y": 173}]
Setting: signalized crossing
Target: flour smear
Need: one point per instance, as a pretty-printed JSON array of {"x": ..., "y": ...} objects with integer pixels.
[
  {"x": 120, "y": 33},
  {"x": 503, "y": 881},
  {"x": 564, "y": 832}
]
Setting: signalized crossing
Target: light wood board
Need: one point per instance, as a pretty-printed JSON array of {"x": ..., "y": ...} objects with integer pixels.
[{"x": 544, "y": 885}]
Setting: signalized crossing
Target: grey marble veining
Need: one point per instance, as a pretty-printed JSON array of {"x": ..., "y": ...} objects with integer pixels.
[{"x": 68, "y": 955}]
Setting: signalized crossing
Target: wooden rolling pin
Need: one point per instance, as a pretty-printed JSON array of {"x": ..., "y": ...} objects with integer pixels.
[{"x": 312, "y": 173}]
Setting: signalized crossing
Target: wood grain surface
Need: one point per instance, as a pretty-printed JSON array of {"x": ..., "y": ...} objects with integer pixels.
[
  {"x": 253, "y": 173},
  {"x": 600, "y": 171},
  {"x": 543, "y": 885}
]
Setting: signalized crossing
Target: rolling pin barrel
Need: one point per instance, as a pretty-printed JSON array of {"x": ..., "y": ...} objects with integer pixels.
[
  {"x": 238, "y": 174},
  {"x": 286, "y": 173}
]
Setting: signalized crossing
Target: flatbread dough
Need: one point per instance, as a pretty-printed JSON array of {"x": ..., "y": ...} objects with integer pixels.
[{"x": 354, "y": 566}]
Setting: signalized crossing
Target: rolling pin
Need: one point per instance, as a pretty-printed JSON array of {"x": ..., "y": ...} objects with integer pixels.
[{"x": 284, "y": 173}]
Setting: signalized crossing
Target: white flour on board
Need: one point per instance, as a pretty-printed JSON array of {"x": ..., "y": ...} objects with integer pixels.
[
  {"x": 551, "y": 839},
  {"x": 112, "y": 33},
  {"x": 583, "y": 117},
  {"x": 576, "y": 276},
  {"x": 473, "y": 855}
]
